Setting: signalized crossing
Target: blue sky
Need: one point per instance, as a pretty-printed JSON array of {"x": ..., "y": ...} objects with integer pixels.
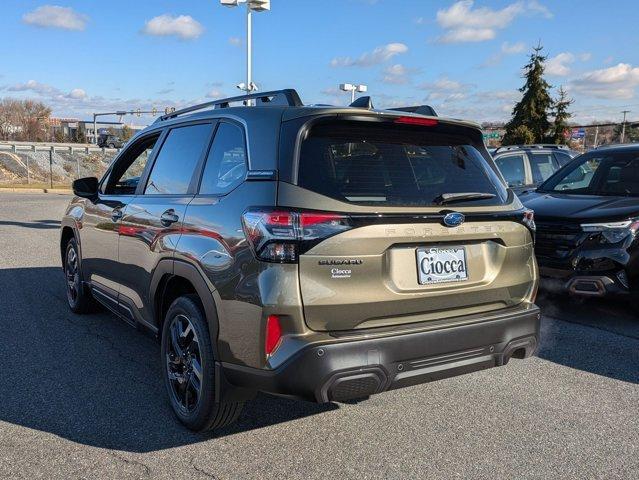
[{"x": 462, "y": 57}]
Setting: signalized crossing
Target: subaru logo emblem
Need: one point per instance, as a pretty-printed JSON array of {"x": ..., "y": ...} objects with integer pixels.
[{"x": 454, "y": 219}]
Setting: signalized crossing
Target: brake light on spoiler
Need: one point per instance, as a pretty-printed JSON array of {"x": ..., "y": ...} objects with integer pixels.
[{"x": 424, "y": 122}]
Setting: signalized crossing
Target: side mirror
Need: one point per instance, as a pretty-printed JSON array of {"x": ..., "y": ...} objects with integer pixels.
[{"x": 86, "y": 187}]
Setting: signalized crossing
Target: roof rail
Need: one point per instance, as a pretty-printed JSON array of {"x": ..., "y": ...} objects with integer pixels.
[
  {"x": 288, "y": 97},
  {"x": 419, "y": 109},
  {"x": 506, "y": 148}
]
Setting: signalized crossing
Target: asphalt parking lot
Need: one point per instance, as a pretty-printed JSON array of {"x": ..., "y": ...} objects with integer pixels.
[{"x": 81, "y": 397}]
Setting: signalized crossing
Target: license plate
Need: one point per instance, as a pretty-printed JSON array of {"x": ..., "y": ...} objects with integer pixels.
[{"x": 441, "y": 264}]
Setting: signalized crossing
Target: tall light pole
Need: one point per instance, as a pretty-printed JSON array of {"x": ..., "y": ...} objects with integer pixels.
[
  {"x": 350, "y": 87},
  {"x": 251, "y": 6},
  {"x": 623, "y": 126}
]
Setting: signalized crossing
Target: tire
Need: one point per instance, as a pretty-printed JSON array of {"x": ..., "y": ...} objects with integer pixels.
[
  {"x": 186, "y": 349},
  {"x": 78, "y": 297},
  {"x": 110, "y": 145}
]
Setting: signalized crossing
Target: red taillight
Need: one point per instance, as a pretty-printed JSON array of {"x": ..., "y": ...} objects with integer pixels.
[
  {"x": 282, "y": 235},
  {"x": 424, "y": 122},
  {"x": 273, "y": 334}
]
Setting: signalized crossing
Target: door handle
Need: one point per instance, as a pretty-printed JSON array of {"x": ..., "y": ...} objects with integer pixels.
[
  {"x": 116, "y": 214},
  {"x": 169, "y": 217}
]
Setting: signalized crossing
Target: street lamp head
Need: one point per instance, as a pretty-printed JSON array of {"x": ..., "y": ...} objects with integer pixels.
[
  {"x": 255, "y": 5},
  {"x": 362, "y": 88},
  {"x": 346, "y": 87},
  {"x": 259, "y": 5}
]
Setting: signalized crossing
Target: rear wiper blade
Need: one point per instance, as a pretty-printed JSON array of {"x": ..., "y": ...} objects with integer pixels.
[{"x": 459, "y": 197}]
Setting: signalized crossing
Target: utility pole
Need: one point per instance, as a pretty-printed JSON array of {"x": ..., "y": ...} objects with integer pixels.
[{"x": 623, "y": 125}]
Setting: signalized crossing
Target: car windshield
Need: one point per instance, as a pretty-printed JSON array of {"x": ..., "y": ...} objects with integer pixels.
[
  {"x": 369, "y": 164},
  {"x": 598, "y": 173}
]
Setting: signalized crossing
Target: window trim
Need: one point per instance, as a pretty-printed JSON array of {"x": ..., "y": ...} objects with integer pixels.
[
  {"x": 530, "y": 161},
  {"x": 160, "y": 133},
  {"x": 192, "y": 184},
  {"x": 202, "y": 166},
  {"x": 526, "y": 163}
]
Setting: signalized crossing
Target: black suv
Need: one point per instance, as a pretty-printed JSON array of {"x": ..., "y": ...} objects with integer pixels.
[
  {"x": 108, "y": 140},
  {"x": 587, "y": 218},
  {"x": 325, "y": 253},
  {"x": 526, "y": 166}
]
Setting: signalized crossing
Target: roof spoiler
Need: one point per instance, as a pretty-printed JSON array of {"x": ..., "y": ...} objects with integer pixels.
[
  {"x": 288, "y": 97},
  {"x": 419, "y": 109},
  {"x": 363, "y": 102}
]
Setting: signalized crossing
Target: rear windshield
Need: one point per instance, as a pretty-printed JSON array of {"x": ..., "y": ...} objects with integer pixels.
[{"x": 395, "y": 165}]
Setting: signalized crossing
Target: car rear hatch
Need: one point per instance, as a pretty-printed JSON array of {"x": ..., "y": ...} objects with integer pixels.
[{"x": 403, "y": 221}]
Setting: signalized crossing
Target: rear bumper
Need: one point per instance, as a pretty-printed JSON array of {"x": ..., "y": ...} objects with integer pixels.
[{"x": 357, "y": 368}]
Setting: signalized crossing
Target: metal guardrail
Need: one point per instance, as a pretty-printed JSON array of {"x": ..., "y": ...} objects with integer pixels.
[{"x": 24, "y": 163}]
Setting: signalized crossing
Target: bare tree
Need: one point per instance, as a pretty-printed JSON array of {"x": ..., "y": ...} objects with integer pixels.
[{"x": 26, "y": 120}]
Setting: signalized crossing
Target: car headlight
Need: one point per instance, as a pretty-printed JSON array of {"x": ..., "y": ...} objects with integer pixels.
[{"x": 613, "y": 232}]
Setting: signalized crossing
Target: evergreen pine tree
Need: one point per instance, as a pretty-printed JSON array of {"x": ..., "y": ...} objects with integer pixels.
[
  {"x": 530, "y": 115},
  {"x": 561, "y": 113}
]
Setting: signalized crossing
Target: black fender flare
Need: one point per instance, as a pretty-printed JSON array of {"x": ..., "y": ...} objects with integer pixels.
[{"x": 169, "y": 266}]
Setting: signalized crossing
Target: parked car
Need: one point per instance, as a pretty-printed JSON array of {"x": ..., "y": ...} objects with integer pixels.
[
  {"x": 526, "y": 166},
  {"x": 110, "y": 141},
  {"x": 322, "y": 253},
  {"x": 587, "y": 217}
]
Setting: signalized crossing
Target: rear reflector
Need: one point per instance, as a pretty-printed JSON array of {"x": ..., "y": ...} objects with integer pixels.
[
  {"x": 273, "y": 334},
  {"x": 424, "y": 122}
]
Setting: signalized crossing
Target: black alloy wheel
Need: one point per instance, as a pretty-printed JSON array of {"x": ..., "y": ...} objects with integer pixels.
[
  {"x": 188, "y": 364},
  {"x": 184, "y": 363}
]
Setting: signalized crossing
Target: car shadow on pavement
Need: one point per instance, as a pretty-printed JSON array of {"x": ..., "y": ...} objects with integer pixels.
[
  {"x": 92, "y": 379},
  {"x": 608, "y": 340}
]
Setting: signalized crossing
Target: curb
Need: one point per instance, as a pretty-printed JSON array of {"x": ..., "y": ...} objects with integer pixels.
[{"x": 62, "y": 191}]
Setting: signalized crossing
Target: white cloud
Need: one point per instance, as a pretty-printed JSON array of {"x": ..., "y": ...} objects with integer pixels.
[
  {"x": 512, "y": 48},
  {"x": 619, "y": 81},
  {"x": 560, "y": 64},
  {"x": 397, "y": 74},
  {"x": 182, "y": 26},
  {"x": 446, "y": 90},
  {"x": 214, "y": 93},
  {"x": 507, "y": 48},
  {"x": 235, "y": 41},
  {"x": 463, "y": 23},
  {"x": 379, "y": 55},
  {"x": 52, "y": 16},
  {"x": 33, "y": 86},
  {"x": 77, "y": 94}
]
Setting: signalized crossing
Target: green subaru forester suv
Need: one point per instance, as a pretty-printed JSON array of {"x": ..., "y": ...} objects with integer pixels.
[{"x": 316, "y": 252}]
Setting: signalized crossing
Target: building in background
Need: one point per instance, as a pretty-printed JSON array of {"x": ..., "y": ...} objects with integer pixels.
[{"x": 74, "y": 130}]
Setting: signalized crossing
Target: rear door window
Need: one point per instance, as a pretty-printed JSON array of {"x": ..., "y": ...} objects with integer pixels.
[
  {"x": 512, "y": 167},
  {"x": 226, "y": 163},
  {"x": 175, "y": 163},
  {"x": 542, "y": 165},
  {"x": 394, "y": 165}
]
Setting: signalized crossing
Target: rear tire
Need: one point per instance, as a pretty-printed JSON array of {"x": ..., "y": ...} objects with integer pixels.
[
  {"x": 188, "y": 366},
  {"x": 78, "y": 297}
]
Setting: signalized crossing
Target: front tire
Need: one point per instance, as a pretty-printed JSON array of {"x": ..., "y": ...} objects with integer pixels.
[
  {"x": 188, "y": 365},
  {"x": 78, "y": 297}
]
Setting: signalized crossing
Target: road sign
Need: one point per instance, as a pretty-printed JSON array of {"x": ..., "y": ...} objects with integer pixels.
[{"x": 578, "y": 133}]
